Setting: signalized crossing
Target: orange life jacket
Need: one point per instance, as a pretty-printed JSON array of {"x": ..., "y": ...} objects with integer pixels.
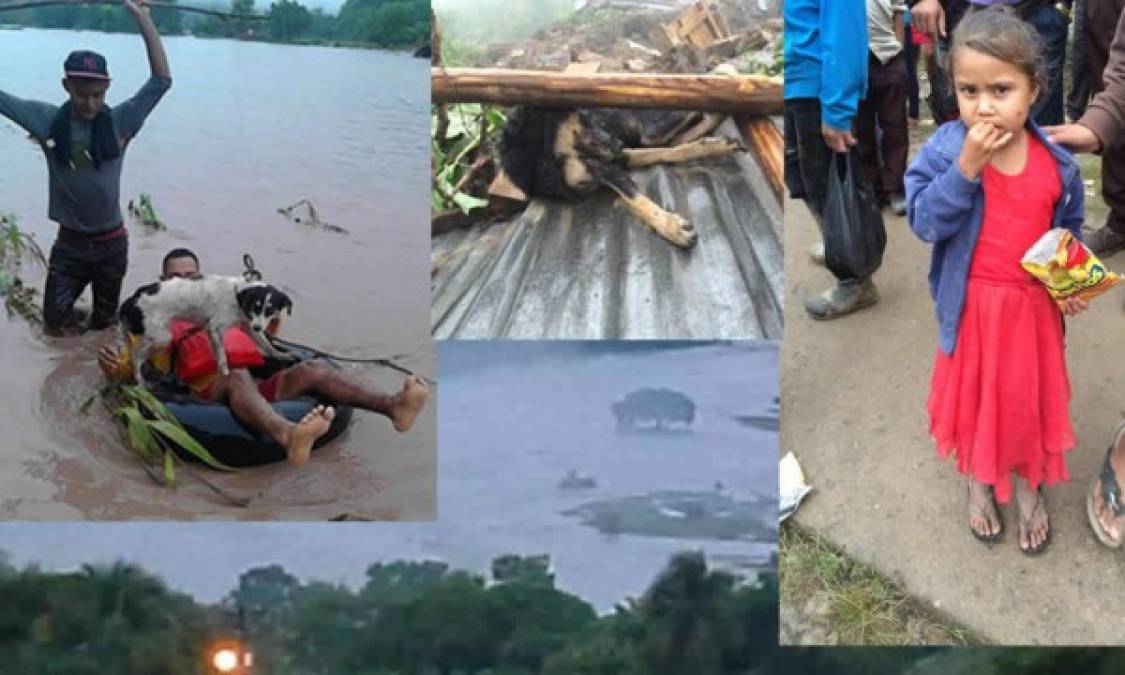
[{"x": 193, "y": 357}]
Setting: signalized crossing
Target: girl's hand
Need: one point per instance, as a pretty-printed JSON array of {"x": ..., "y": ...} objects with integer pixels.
[
  {"x": 1074, "y": 306},
  {"x": 981, "y": 143}
]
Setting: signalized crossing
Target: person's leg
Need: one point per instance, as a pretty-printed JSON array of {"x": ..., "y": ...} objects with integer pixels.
[
  {"x": 1051, "y": 25},
  {"x": 240, "y": 393},
  {"x": 1079, "y": 94},
  {"x": 911, "y": 76},
  {"x": 65, "y": 282},
  {"x": 807, "y": 156},
  {"x": 1111, "y": 238},
  {"x": 809, "y": 159},
  {"x": 107, "y": 271},
  {"x": 866, "y": 135},
  {"x": 332, "y": 384},
  {"x": 892, "y": 87}
]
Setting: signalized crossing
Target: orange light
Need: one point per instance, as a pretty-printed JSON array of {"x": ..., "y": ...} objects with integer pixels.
[{"x": 225, "y": 660}]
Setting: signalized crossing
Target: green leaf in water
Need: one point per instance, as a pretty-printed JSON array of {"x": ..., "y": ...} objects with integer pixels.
[
  {"x": 178, "y": 435},
  {"x": 169, "y": 468},
  {"x": 140, "y": 437}
]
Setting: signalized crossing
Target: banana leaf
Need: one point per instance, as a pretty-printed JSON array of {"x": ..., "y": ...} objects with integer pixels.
[
  {"x": 140, "y": 436},
  {"x": 176, "y": 434}
]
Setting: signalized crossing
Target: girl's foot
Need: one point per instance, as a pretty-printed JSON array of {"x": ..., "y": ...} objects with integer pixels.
[
  {"x": 1035, "y": 528},
  {"x": 984, "y": 519}
]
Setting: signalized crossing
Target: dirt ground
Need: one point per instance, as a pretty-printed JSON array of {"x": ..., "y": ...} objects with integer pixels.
[{"x": 853, "y": 412}]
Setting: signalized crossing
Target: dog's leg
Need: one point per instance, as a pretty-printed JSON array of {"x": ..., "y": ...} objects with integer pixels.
[
  {"x": 712, "y": 146},
  {"x": 267, "y": 348},
  {"x": 216, "y": 335},
  {"x": 703, "y": 126},
  {"x": 140, "y": 354},
  {"x": 671, "y": 226}
]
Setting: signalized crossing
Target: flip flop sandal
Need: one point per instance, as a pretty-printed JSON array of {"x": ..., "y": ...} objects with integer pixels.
[
  {"x": 1110, "y": 494},
  {"x": 1025, "y": 524},
  {"x": 987, "y": 538}
]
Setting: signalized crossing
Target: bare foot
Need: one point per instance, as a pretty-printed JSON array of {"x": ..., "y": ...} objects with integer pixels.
[
  {"x": 1035, "y": 528},
  {"x": 303, "y": 434},
  {"x": 408, "y": 403}
]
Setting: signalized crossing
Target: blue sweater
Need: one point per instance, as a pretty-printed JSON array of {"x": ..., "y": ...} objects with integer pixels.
[
  {"x": 826, "y": 56},
  {"x": 945, "y": 208}
]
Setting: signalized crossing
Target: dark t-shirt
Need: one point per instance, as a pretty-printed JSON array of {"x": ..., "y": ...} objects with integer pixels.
[{"x": 85, "y": 199}]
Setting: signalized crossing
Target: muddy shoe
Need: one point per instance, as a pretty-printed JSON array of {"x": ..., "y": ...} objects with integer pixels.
[
  {"x": 1105, "y": 241},
  {"x": 898, "y": 205},
  {"x": 840, "y": 300},
  {"x": 816, "y": 253}
]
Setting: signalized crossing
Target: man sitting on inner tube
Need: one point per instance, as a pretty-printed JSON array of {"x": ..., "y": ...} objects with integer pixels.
[{"x": 250, "y": 401}]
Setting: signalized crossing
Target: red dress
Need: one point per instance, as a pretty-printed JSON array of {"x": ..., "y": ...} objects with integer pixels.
[{"x": 1001, "y": 401}]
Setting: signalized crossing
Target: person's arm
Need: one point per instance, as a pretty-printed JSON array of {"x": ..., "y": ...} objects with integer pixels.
[
  {"x": 157, "y": 59},
  {"x": 939, "y": 196},
  {"x": 33, "y": 116},
  {"x": 1105, "y": 115},
  {"x": 843, "y": 77},
  {"x": 130, "y": 115}
]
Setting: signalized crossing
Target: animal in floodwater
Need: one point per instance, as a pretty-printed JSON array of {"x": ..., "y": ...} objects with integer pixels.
[
  {"x": 569, "y": 154},
  {"x": 653, "y": 407}
]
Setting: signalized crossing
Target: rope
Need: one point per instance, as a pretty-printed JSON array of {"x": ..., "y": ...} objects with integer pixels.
[{"x": 388, "y": 362}]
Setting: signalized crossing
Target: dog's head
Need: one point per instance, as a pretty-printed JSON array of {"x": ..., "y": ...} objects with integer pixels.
[{"x": 261, "y": 303}]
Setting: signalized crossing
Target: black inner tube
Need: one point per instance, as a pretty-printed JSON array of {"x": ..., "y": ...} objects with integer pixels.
[{"x": 227, "y": 438}]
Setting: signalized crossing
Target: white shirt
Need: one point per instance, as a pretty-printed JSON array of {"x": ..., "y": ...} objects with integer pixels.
[{"x": 881, "y": 28}]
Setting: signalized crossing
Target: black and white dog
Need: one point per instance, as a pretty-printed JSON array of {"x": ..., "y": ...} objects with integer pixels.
[{"x": 217, "y": 302}]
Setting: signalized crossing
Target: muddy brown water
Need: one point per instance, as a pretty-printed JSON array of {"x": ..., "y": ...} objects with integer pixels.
[{"x": 246, "y": 129}]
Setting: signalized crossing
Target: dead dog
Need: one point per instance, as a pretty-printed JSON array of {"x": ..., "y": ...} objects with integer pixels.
[
  {"x": 569, "y": 154},
  {"x": 216, "y": 302}
]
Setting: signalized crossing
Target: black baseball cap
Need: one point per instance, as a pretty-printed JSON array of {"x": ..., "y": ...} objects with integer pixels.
[{"x": 86, "y": 65}]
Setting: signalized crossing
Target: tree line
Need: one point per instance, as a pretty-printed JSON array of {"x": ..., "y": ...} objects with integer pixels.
[
  {"x": 419, "y": 617},
  {"x": 388, "y": 24}
]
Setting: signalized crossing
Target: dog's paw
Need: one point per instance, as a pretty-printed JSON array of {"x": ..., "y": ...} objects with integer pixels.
[
  {"x": 679, "y": 231},
  {"x": 724, "y": 145}
]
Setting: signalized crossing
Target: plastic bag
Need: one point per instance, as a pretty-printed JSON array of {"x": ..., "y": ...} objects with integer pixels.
[
  {"x": 854, "y": 234},
  {"x": 1067, "y": 268}
]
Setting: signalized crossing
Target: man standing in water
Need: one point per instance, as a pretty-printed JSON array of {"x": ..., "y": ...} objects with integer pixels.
[
  {"x": 84, "y": 142},
  {"x": 251, "y": 401}
]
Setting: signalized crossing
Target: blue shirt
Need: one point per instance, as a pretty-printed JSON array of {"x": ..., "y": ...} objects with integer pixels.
[
  {"x": 826, "y": 56},
  {"x": 945, "y": 208}
]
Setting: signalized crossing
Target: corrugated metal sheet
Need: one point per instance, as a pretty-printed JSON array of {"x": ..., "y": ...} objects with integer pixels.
[{"x": 592, "y": 270}]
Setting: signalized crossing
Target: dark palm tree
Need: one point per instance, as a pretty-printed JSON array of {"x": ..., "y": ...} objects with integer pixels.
[{"x": 689, "y": 615}]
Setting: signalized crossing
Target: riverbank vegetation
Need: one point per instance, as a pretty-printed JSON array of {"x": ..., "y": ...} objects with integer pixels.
[{"x": 408, "y": 617}]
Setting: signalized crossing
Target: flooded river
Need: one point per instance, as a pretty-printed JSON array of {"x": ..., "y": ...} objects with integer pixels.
[
  {"x": 515, "y": 419},
  {"x": 245, "y": 130}
]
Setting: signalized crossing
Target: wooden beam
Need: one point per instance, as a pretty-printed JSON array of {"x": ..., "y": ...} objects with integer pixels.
[
  {"x": 767, "y": 146},
  {"x": 748, "y": 94}
]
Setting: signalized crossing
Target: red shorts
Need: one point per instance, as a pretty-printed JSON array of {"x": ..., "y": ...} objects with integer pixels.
[{"x": 268, "y": 388}]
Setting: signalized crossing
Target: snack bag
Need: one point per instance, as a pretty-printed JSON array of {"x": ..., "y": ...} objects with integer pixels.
[{"x": 1067, "y": 268}]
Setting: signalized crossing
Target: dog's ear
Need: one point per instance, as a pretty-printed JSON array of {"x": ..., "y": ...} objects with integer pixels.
[{"x": 245, "y": 298}]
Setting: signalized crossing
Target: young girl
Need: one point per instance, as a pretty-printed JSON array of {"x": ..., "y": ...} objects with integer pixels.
[{"x": 982, "y": 191}]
